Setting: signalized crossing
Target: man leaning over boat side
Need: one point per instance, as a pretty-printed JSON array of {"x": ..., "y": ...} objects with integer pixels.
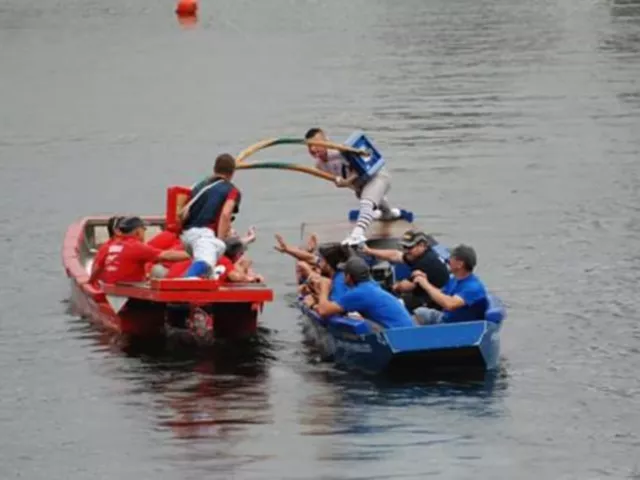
[
  {"x": 371, "y": 193},
  {"x": 364, "y": 296},
  {"x": 238, "y": 268},
  {"x": 310, "y": 266},
  {"x": 417, "y": 254},
  {"x": 127, "y": 255},
  {"x": 463, "y": 298},
  {"x": 206, "y": 219},
  {"x": 331, "y": 258},
  {"x": 305, "y": 256}
]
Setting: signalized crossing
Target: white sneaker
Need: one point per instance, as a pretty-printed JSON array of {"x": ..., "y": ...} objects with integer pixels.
[
  {"x": 354, "y": 240},
  {"x": 377, "y": 214},
  {"x": 394, "y": 214}
]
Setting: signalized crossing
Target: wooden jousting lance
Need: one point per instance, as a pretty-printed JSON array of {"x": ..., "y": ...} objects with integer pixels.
[{"x": 271, "y": 142}]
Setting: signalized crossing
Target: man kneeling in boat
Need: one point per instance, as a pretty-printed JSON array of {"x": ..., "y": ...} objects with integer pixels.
[
  {"x": 417, "y": 254},
  {"x": 127, "y": 255},
  {"x": 463, "y": 298},
  {"x": 207, "y": 217},
  {"x": 364, "y": 296}
]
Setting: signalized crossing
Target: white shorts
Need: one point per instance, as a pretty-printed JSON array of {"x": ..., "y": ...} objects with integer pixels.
[{"x": 203, "y": 244}]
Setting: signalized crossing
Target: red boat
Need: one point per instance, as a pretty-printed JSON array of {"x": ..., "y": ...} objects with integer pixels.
[{"x": 204, "y": 308}]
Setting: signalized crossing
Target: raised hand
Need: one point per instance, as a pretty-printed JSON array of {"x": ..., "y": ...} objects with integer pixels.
[
  {"x": 281, "y": 246},
  {"x": 250, "y": 237},
  {"x": 312, "y": 242}
]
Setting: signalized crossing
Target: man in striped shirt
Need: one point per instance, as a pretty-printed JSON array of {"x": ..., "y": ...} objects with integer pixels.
[{"x": 371, "y": 194}]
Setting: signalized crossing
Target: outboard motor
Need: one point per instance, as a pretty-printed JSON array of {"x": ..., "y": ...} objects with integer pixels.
[{"x": 382, "y": 273}]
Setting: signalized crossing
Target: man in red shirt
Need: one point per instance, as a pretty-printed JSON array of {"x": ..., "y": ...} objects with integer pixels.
[
  {"x": 237, "y": 267},
  {"x": 127, "y": 255},
  {"x": 114, "y": 233}
]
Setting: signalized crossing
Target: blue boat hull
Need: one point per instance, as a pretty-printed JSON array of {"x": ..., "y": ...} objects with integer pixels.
[
  {"x": 353, "y": 344},
  {"x": 414, "y": 351}
]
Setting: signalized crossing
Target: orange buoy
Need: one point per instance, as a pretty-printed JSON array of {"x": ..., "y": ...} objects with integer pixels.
[{"x": 187, "y": 8}]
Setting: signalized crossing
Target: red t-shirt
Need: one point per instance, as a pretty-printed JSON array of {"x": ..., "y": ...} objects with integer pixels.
[
  {"x": 125, "y": 260},
  {"x": 102, "y": 252},
  {"x": 166, "y": 241},
  {"x": 228, "y": 268}
]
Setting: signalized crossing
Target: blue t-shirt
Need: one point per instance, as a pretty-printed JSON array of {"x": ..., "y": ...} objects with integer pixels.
[
  {"x": 338, "y": 287},
  {"x": 474, "y": 294},
  {"x": 376, "y": 304}
]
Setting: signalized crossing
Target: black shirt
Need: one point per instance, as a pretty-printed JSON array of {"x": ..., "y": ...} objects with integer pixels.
[{"x": 437, "y": 273}]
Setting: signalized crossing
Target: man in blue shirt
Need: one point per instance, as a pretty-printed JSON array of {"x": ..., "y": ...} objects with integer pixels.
[
  {"x": 364, "y": 296},
  {"x": 328, "y": 258},
  {"x": 462, "y": 299}
]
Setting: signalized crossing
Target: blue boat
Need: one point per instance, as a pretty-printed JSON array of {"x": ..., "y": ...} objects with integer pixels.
[{"x": 353, "y": 344}]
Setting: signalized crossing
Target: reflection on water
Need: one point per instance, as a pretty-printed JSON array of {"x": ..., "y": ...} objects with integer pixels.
[
  {"x": 354, "y": 419},
  {"x": 197, "y": 392}
]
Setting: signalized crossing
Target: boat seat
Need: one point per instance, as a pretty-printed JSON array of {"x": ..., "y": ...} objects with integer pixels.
[{"x": 177, "y": 197}]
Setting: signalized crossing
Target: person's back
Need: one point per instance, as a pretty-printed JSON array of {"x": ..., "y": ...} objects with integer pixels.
[
  {"x": 210, "y": 197},
  {"x": 338, "y": 286},
  {"x": 363, "y": 296},
  {"x": 114, "y": 233},
  {"x": 127, "y": 255},
  {"x": 126, "y": 259},
  {"x": 376, "y": 304}
]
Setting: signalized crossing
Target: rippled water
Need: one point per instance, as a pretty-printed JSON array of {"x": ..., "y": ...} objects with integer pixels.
[{"x": 511, "y": 125}]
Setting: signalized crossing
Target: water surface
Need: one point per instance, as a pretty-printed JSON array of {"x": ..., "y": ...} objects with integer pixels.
[{"x": 509, "y": 125}]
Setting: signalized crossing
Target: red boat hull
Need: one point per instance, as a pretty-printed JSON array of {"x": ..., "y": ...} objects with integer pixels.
[{"x": 158, "y": 307}]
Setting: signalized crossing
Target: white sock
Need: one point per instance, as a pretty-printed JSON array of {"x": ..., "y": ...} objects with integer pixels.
[{"x": 365, "y": 217}]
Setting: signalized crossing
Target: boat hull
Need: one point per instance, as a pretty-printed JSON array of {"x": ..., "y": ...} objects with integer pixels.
[
  {"x": 421, "y": 351},
  {"x": 468, "y": 347},
  {"x": 198, "y": 309}
]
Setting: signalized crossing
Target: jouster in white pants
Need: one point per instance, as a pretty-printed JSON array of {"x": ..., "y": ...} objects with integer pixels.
[
  {"x": 203, "y": 245},
  {"x": 203, "y": 213}
]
